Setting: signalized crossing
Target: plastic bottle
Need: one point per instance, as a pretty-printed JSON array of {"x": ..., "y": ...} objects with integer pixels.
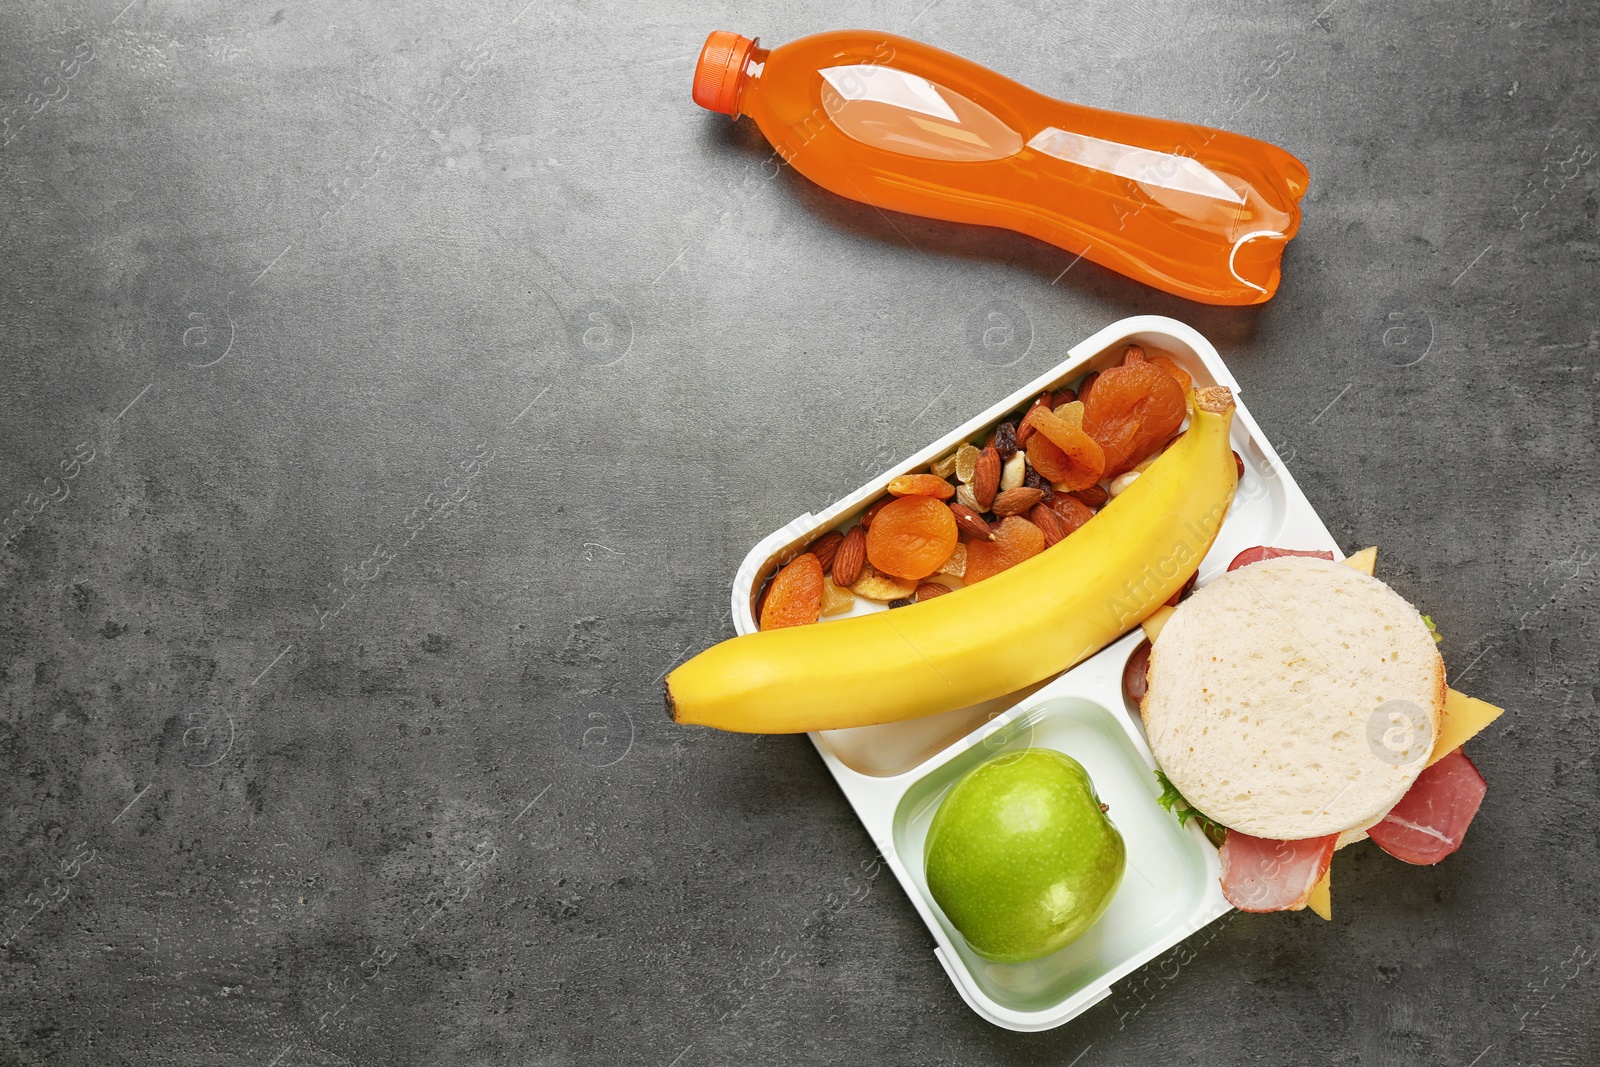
[{"x": 904, "y": 126}]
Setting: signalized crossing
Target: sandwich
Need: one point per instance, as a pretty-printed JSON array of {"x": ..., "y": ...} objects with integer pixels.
[{"x": 1295, "y": 706}]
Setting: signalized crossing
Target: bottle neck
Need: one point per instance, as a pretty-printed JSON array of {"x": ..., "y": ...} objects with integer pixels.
[{"x": 749, "y": 79}]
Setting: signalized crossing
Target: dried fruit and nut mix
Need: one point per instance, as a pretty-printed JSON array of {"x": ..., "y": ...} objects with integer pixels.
[{"x": 1037, "y": 477}]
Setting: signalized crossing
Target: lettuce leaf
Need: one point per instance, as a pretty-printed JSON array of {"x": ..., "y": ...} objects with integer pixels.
[{"x": 1173, "y": 801}]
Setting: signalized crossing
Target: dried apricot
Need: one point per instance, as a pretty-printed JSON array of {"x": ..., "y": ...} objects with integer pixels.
[
  {"x": 1026, "y": 427},
  {"x": 1130, "y": 411},
  {"x": 921, "y": 485},
  {"x": 795, "y": 597},
  {"x": 1072, "y": 512},
  {"x": 1015, "y": 539},
  {"x": 1184, "y": 379},
  {"x": 1062, "y": 452},
  {"x": 911, "y": 537}
]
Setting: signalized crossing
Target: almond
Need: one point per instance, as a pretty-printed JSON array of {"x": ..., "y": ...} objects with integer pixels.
[
  {"x": 1094, "y": 496},
  {"x": 849, "y": 557},
  {"x": 1049, "y": 523},
  {"x": 986, "y": 477},
  {"x": 824, "y": 548},
  {"x": 1016, "y": 501},
  {"x": 972, "y": 523},
  {"x": 929, "y": 590},
  {"x": 872, "y": 512},
  {"x": 1133, "y": 354},
  {"x": 967, "y": 498}
]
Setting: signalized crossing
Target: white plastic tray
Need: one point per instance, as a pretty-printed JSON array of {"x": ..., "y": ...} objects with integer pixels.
[{"x": 895, "y": 775}]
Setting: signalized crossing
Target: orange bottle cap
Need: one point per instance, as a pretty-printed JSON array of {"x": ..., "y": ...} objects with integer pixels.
[{"x": 716, "y": 76}]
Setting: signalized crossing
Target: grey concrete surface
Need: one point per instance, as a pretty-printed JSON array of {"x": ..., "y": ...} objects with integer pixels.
[{"x": 390, "y": 390}]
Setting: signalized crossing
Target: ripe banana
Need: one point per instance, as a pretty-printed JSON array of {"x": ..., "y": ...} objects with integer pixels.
[{"x": 995, "y": 637}]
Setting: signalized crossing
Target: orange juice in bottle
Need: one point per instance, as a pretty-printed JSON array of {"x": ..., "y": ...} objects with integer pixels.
[{"x": 888, "y": 121}]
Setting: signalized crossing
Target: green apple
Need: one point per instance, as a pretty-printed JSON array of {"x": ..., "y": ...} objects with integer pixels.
[{"x": 1021, "y": 856}]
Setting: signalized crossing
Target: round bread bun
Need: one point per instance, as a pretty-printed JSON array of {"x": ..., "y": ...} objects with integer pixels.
[{"x": 1294, "y": 698}]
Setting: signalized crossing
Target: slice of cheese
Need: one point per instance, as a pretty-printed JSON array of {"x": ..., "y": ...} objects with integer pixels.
[
  {"x": 1158, "y": 619},
  {"x": 1321, "y": 899},
  {"x": 1463, "y": 718},
  {"x": 1364, "y": 561}
]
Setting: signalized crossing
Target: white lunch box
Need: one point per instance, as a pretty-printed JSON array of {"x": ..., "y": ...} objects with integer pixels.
[{"x": 895, "y": 775}]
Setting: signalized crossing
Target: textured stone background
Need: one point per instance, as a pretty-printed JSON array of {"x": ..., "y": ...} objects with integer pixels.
[{"x": 422, "y": 372}]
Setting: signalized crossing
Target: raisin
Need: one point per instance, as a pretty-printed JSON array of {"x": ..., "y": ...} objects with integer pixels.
[
  {"x": 1034, "y": 480},
  {"x": 1005, "y": 440},
  {"x": 901, "y": 602},
  {"x": 911, "y": 537}
]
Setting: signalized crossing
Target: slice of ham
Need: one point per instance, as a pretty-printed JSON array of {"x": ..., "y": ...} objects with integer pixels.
[
  {"x": 1263, "y": 552},
  {"x": 1136, "y": 674},
  {"x": 1432, "y": 818},
  {"x": 1259, "y": 874}
]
